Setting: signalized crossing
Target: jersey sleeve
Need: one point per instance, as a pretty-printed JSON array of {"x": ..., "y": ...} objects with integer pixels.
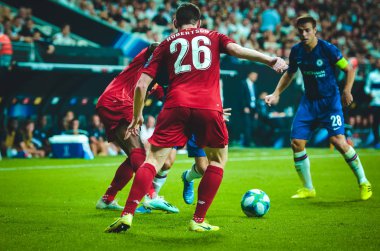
[
  {"x": 153, "y": 64},
  {"x": 334, "y": 53},
  {"x": 293, "y": 67},
  {"x": 223, "y": 42}
]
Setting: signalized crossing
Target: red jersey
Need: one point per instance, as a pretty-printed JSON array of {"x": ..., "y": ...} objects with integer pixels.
[
  {"x": 192, "y": 59},
  {"x": 122, "y": 88}
]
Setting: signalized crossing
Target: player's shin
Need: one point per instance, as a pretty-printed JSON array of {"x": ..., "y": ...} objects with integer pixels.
[
  {"x": 302, "y": 165},
  {"x": 355, "y": 164},
  {"x": 141, "y": 184},
  {"x": 122, "y": 176},
  {"x": 192, "y": 174},
  {"x": 159, "y": 180},
  {"x": 207, "y": 190}
]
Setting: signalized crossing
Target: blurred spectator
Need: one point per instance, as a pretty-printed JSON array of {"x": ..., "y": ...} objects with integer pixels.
[
  {"x": 249, "y": 107},
  {"x": 64, "y": 37},
  {"x": 270, "y": 19},
  {"x": 160, "y": 19},
  {"x": 372, "y": 88},
  {"x": 27, "y": 31},
  {"x": 11, "y": 138},
  {"x": 65, "y": 123},
  {"x": 74, "y": 128},
  {"x": 42, "y": 133},
  {"x": 97, "y": 136},
  {"x": 29, "y": 145},
  {"x": 6, "y": 50},
  {"x": 147, "y": 130}
]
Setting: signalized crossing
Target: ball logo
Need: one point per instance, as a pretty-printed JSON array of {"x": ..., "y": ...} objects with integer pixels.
[{"x": 319, "y": 62}]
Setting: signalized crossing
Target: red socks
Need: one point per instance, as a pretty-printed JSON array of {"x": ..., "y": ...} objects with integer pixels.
[
  {"x": 122, "y": 176},
  {"x": 207, "y": 189},
  {"x": 141, "y": 184},
  {"x": 137, "y": 156}
]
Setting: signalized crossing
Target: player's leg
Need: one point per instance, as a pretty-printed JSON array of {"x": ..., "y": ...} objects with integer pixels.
[
  {"x": 210, "y": 130},
  {"x": 169, "y": 131},
  {"x": 353, "y": 161},
  {"x": 140, "y": 187},
  {"x": 160, "y": 178},
  {"x": 302, "y": 128},
  {"x": 125, "y": 171},
  {"x": 208, "y": 187},
  {"x": 152, "y": 200},
  {"x": 195, "y": 172}
]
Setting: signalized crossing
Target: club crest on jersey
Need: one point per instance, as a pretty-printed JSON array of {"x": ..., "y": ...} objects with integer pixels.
[{"x": 319, "y": 62}]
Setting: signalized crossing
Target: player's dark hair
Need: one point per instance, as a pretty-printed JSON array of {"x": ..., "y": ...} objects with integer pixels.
[
  {"x": 187, "y": 13},
  {"x": 306, "y": 19}
]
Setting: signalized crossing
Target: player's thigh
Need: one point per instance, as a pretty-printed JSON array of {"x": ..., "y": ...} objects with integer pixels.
[
  {"x": 209, "y": 128},
  {"x": 333, "y": 121},
  {"x": 170, "y": 160},
  {"x": 304, "y": 121},
  {"x": 126, "y": 144},
  {"x": 217, "y": 156}
]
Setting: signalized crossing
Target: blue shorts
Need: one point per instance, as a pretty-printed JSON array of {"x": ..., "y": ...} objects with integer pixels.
[
  {"x": 193, "y": 150},
  {"x": 326, "y": 112}
]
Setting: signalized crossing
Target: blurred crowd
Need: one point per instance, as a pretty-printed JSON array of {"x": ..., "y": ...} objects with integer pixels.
[
  {"x": 27, "y": 138},
  {"x": 262, "y": 25}
]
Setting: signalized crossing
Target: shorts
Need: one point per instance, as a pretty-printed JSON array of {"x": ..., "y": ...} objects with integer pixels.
[
  {"x": 176, "y": 125},
  {"x": 193, "y": 151},
  {"x": 113, "y": 117},
  {"x": 326, "y": 112}
]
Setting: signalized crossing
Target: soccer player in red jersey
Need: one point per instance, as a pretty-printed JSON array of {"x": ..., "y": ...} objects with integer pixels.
[
  {"x": 193, "y": 106},
  {"x": 115, "y": 108}
]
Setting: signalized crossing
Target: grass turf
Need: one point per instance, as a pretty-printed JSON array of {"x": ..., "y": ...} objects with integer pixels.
[{"x": 49, "y": 204}]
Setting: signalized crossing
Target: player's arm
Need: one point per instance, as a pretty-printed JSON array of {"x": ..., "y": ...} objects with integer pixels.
[
  {"x": 138, "y": 105},
  {"x": 284, "y": 82},
  {"x": 350, "y": 78},
  {"x": 276, "y": 63}
]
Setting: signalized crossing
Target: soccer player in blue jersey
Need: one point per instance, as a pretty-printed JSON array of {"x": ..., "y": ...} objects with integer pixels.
[{"x": 321, "y": 104}]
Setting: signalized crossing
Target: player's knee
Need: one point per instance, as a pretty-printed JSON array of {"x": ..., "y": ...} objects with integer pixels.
[
  {"x": 340, "y": 143},
  {"x": 297, "y": 146}
]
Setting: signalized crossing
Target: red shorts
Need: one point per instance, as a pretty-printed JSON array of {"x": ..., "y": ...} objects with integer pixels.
[
  {"x": 113, "y": 117},
  {"x": 175, "y": 125}
]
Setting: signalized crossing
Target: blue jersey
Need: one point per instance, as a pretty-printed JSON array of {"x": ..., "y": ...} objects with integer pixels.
[{"x": 317, "y": 67}]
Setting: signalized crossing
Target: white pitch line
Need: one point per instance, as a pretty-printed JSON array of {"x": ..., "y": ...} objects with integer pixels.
[{"x": 190, "y": 160}]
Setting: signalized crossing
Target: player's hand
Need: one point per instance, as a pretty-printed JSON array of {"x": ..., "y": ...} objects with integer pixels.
[
  {"x": 279, "y": 65},
  {"x": 227, "y": 114},
  {"x": 271, "y": 99},
  {"x": 347, "y": 98},
  {"x": 134, "y": 128}
]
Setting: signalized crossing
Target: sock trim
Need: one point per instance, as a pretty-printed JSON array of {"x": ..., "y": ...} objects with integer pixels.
[{"x": 297, "y": 159}]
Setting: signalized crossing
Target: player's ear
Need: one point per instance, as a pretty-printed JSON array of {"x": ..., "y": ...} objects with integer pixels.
[
  {"x": 175, "y": 23},
  {"x": 199, "y": 23}
]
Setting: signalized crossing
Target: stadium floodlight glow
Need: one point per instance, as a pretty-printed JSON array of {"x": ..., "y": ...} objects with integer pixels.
[
  {"x": 55, "y": 100},
  {"x": 37, "y": 100},
  {"x": 73, "y": 101}
]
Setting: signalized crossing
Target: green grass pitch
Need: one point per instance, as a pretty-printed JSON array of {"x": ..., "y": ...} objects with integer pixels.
[{"x": 49, "y": 204}]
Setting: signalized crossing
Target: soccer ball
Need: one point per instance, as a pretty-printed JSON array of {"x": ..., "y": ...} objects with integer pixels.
[{"x": 255, "y": 203}]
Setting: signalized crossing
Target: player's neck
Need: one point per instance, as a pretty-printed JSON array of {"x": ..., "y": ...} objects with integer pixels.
[
  {"x": 311, "y": 46},
  {"x": 187, "y": 26}
]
